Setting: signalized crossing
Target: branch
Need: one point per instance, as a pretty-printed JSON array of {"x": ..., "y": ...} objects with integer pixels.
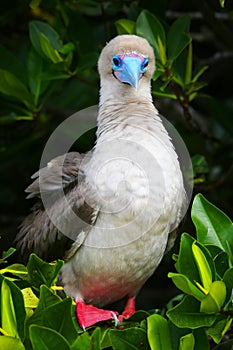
[
  {"x": 217, "y": 183},
  {"x": 193, "y": 125}
]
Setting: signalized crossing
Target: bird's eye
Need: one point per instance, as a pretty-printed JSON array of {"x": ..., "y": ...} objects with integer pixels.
[
  {"x": 116, "y": 61},
  {"x": 145, "y": 64}
]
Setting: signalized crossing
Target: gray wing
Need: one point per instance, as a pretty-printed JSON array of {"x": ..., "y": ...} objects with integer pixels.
[{"x": 61, "y": 213}]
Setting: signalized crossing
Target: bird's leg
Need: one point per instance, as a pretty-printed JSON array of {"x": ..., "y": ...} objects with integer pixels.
[
  {"x": 88, "y": 314},
  {"x": 129, "y": 309}
]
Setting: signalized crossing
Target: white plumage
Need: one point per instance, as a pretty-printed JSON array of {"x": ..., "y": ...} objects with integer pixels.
[{"x": 131, "y": 185}]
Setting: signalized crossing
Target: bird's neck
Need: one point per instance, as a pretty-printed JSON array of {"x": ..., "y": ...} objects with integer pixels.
[{"x": 122, "y": 114}]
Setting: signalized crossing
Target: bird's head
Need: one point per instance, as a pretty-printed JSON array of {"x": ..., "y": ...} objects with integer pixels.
[{"x": 127, "y": 59}]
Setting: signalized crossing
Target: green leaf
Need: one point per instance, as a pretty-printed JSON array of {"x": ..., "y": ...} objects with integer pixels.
[
  {"x": 10, "y": 85},
  {"x": 16, "y": 270},
  {"x": 30, "y": 299},
  {"x": 41, "y": 272},
  {"x": 200, "y": 165},
  {"x": 9, "y": 62},
  {"x": 187, "y": 342},
  {"x": 95, "y": 339},
  {"x": 35, "y": 69},
  {"x": 34, "y": 4},
  {"x": 178, "y": 37},
  {"x": 47, "y": 339},
  {"x": 131, "y": 338},
  {"x": 7, "y": 254},
  {"x": 48, "y": 49},
  {"x": 8, "y": 317},
  {"x": 58, "y": 317},
  {"x": 11, "y": 343},
  {"x": 217, "y": 331},
  {"x": 186, "y": 264},
  {"x": 83, "y": 341},
  {"x": 189, "y": 65},
  {"x": 199, "y": 73},
  {"x": 149, "y": 27},
  {"x": 13, "y": 312},
  {"x": 184, "y": 284},
  {"x": 222, "y": 3},
  {"x": 201, "y": 339},
  {"x": 187, "y": 315},
  {"x": 67, "y": 48},
  {"x": 162, "y": 52},
  {"x": 203, "y": 266},
  {"x": 125, "y": 26},
  {"x": 228, "y": 280},
  {"x": 214, "y": 300},
  {"x": 36, "y": 28},
  {"x": 47, "y": 298},
  {"x": 213, "y": 226},
  {"x": 158, "y": 333}
]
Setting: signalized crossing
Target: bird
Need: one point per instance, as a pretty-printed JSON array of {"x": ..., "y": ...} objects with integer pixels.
[{"x": 121, "y": 201}]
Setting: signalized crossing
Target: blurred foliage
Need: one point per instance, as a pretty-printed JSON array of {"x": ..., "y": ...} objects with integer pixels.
[{"x": 35, "y": 315}]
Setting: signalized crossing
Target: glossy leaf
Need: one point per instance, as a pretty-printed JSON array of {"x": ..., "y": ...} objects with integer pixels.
[
  {"x": 131, "y": 338},
  {"x": 47, "y": 339},
  {"x": 11, "y": 343},
  {"x": 149, "y": 27},
  {"x": 41, "y": 272},
  {"x": 228, "y": 280},
  {"x": 187, "y": 342},
  {"x": 214, "y": 300},
  {"x": 47, "y": 298},
  {"x": 125, "y": 26},
  {"x": 203, "y": 266},
  {"x": 16, "y": 270},
  {"x": 83, "y": 341},
  {"x": 213, "y": 226},
  {"x": 10, "y": 85},
  {"x": 187, "y": 315},
  {"x": 186, "y": 264},
  {"x": 158, "y": 333},
  {"x": 185, "y": 285},
  {"x": 8, "y": 316},
  {"x": 178, "y": 37},
  {"x": 13, "y": 312},
  {"x": 30, "y": 299},
  {"x": 219, "y": 328},
  {"x": 58, "y": 317},
  {"x": 201, "y": 339}
]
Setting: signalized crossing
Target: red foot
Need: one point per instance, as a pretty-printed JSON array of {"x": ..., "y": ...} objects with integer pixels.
[
  {"x": 129, "y": 309},
  {"x": 88, "y": 314}
]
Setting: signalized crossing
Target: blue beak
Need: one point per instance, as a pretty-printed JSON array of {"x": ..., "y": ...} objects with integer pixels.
[{"x": 130, "y": 71}]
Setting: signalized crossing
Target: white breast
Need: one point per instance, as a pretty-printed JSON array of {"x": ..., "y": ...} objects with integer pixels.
[{"x": 138, "y": 186}]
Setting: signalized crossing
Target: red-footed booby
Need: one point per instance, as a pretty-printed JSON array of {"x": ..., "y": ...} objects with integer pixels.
[{"x": 128, "y": 192}]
